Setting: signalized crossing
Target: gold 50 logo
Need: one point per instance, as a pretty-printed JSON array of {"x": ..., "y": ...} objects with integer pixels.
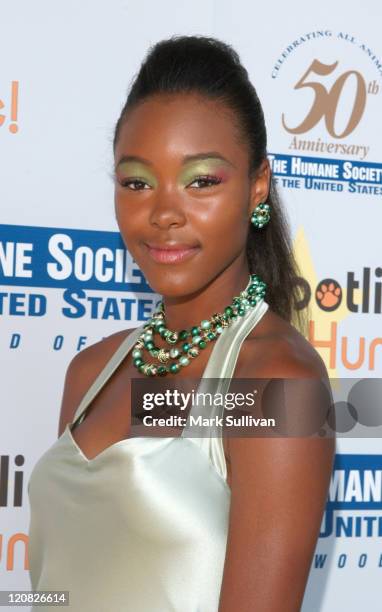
[{"x": 327, "y": 99}]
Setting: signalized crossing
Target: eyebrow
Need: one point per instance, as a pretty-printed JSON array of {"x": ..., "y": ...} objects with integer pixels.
[{"x": 186, "y": 158}]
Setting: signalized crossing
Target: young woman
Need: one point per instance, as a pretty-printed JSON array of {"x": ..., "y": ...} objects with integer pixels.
[{"x": 182, "y": 523}]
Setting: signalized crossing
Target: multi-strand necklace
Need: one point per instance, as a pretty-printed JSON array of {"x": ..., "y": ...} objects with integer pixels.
[{"x": 194, "y": 339}]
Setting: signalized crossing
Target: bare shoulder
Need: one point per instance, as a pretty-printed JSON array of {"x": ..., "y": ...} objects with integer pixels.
[
  {"x": 83, "y": 370},
  {"x": 277, "y": 349},
  {"x": 95, "y": 356}
]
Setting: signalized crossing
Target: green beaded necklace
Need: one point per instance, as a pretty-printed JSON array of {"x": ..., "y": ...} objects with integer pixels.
[{"x": 193, "y": 339}]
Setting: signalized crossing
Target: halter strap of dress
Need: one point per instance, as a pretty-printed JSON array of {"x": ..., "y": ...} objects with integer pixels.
[
  {"x": 216, "y": 379},
  {"x": 222, "y": 362},
  {"x": 110, "y": 367}
]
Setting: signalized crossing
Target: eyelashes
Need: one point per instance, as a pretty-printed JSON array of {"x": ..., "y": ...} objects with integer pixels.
[
  {"x": 127, "y": 182},
  {"x": 214, "y": 180},
  {"x": 211, "y": 180}
]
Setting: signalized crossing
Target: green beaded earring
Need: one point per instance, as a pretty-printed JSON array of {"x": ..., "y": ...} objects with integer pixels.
[{"x": 261, "y": 215}]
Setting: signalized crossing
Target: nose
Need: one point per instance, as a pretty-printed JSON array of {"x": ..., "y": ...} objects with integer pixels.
[{"x": 167, "y": 211}]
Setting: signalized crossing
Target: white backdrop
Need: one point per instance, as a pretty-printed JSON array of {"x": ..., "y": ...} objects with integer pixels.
[{"x": 67, "y": 280}]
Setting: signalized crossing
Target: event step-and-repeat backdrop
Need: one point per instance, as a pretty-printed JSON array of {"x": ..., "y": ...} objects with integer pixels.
[{"x": 67, "y": 279}]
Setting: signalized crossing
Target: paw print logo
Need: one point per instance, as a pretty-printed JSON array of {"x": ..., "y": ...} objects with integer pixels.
[{"x": 328, "y": 294}]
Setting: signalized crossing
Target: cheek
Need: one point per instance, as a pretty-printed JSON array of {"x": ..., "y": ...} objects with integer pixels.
[
  {"x": 130, "y": 229},
  {"x": 221, "y": 220},
  {"x": 129, "y": 215}
]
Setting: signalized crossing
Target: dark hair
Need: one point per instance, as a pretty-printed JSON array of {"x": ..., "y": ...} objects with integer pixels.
[{"x": 212, "y": 68}]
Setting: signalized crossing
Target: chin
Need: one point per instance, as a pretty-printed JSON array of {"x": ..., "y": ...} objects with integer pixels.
[{"x": 173, "y": 283}]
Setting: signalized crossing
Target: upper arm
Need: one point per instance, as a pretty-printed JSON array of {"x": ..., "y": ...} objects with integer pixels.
[
  {"x": 278, "y": 493},
  {"x": 82, "y": 371}
]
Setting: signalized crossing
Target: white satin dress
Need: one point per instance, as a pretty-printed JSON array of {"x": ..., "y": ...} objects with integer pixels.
[{"x": 143, "y": 526}]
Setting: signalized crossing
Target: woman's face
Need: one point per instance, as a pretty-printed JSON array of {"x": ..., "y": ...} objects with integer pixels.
[{"x": 181, "y": 180}]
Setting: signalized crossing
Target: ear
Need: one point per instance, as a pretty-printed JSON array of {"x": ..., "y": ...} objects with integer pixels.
[{"x": 260, "y": 185}]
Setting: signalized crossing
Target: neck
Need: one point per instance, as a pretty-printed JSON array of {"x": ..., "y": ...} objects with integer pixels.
[{"x": 187, "y": 311}]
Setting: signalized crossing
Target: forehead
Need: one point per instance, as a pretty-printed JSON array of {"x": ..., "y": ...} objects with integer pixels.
[{"x": 180, "y": 124}]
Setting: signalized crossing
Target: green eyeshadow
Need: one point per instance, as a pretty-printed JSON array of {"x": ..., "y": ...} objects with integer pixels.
[
  {"x": 200, "y": 168},
  {"x": 136, "y": 170}
]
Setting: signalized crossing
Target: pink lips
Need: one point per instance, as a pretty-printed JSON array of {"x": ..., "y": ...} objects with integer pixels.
[{"x": 171, "y": 254}]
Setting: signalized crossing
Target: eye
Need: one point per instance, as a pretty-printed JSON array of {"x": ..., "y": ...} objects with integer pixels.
[
  {"x": 212, "y": 180},
  {"x": 127, "y": 182}
]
